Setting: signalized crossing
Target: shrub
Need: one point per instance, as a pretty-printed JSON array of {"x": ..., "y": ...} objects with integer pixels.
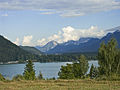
[
  {"x": 18, "y": 77},
  {"x": 40, "y": 76},
  {"x": 1, "y": 77}
]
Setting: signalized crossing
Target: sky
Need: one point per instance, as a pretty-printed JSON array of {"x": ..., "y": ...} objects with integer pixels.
[{"x": 36, "y": 22}]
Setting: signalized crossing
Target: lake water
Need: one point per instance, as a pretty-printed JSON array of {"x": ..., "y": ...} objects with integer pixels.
[{"x": 49, "y": 70}]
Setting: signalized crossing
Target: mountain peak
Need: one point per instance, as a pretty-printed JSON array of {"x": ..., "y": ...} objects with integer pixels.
[
  {"x": 117, "y": 30},
  {"x": 48, "y": 46}
]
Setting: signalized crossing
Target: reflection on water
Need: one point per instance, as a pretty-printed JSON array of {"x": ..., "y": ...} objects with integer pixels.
[{"x": 48, "y": 70}]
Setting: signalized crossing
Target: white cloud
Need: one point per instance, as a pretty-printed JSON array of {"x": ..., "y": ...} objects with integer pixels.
[
  {"x": 27, "y": 40},
  {"x": 66, "y": 8},
  {"x": 47, "y": 13},
  {"x": 17, "y": 42},
  {"x": 42, "y": 42},
  {"x": 4, "y": 15},
  {"x": 70, "y": 33}
]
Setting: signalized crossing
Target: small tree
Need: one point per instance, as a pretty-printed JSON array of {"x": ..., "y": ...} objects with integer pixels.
[
  {"x": 29, "y": 72},
  {"x": 40, "y": 76},
  {"x": 93, "y": 72},
  {"x": 81, "y": 67},
  {"x": 66, "y": 72},
  {"x": 18, "y": 77}
]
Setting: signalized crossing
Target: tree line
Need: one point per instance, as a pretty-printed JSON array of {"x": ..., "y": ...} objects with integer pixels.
[{"x": 109, "y": 64}]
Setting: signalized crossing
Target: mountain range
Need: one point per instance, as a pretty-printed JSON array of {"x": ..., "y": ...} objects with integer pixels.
[{"x": 82, "y": 45}]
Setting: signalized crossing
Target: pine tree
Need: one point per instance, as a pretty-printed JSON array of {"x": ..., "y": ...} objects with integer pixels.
[
  {"x": 66, "y": 72},
  {"x": 29, "y": 72},
  {"x": 93, "y": 72}
]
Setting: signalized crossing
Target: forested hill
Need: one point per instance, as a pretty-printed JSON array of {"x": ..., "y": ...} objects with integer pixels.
[
  {"x": 12, "y": 52},
  {"x": 31, "y": 50}
]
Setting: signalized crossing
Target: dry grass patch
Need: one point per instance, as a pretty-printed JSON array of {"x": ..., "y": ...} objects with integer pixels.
[{"x": 60, "y": 85}]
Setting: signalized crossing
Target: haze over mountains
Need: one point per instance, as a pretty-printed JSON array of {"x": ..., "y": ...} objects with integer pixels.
[{"x": 88, "y": 44}]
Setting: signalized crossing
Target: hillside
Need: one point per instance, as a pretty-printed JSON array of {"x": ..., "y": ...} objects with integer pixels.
[
  {"x": 12, "y": 52},
  {"x": 32, "y": 50}
]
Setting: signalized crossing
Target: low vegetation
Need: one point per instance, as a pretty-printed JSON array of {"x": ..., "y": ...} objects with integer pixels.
[{"x": 60, "y": 85}]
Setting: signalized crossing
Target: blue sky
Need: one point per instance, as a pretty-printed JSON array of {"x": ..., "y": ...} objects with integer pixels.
[{"x": 36, "y": 22}]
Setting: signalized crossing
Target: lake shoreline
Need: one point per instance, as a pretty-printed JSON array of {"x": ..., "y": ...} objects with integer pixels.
[{"x": 17, "y": 62}]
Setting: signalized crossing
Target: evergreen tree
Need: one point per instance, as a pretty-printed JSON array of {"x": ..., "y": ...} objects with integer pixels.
[
  {"x": 93, "y": 72},
  {"x": 81, "y": 67},
  {"x": 29, "y": 72},
  {"x": 75, "y": 70},
  {"x": 66, "y": 72}
]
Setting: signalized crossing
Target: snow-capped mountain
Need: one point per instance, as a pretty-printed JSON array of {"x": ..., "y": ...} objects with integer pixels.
[
  {"x": 48, "y": 46},
  {"x": 72, "y": 42},
  {"x": 86, "y": 44}
]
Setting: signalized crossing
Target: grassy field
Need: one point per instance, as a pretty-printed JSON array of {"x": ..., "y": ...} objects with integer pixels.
[{"x": 60, "y": 85}]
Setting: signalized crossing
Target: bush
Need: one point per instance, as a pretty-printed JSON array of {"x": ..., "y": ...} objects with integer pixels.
[
  {"x": 1, "y": 77},
  {"x": 75, "y": 70},
  {"x": 18, "y": 77},
  {"x": 40, "y": 76},
  {"x": 66, "y": 72}
]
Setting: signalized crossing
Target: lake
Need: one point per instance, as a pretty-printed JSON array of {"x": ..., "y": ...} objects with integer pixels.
[{"x": 49, "y": 70}]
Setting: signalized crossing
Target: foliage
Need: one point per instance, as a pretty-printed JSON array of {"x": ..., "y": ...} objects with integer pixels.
[
  {"x": 18, "y": 77},
  {"x": 66, "y": 72},
  {"x": 1, "y": 77},
  {"x": 81, "y": 67},
  {"x": 93, "y": 72},
  {"x": 109, "y": 58},
  {"x": 40, "y": 76},
  {"x": 75, "y": 70},
  {"x": 29, "y": 72},
  {"x": 66, "y": 57}
]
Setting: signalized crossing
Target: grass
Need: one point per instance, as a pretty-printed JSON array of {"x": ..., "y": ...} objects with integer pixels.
[{"x": 60, "y": 85}]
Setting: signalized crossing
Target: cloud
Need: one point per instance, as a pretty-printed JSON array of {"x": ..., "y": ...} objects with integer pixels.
[
  {"x": 47, "y": 13},
  {"x": 17, "y": 42},
  {"x": 70, "y": 33},
  {"x": 4, "y": 15},
  {"x": 66, "y": 8},
  {"x": 42, "y": 42},
  {"x": 27, "y": 40}
]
